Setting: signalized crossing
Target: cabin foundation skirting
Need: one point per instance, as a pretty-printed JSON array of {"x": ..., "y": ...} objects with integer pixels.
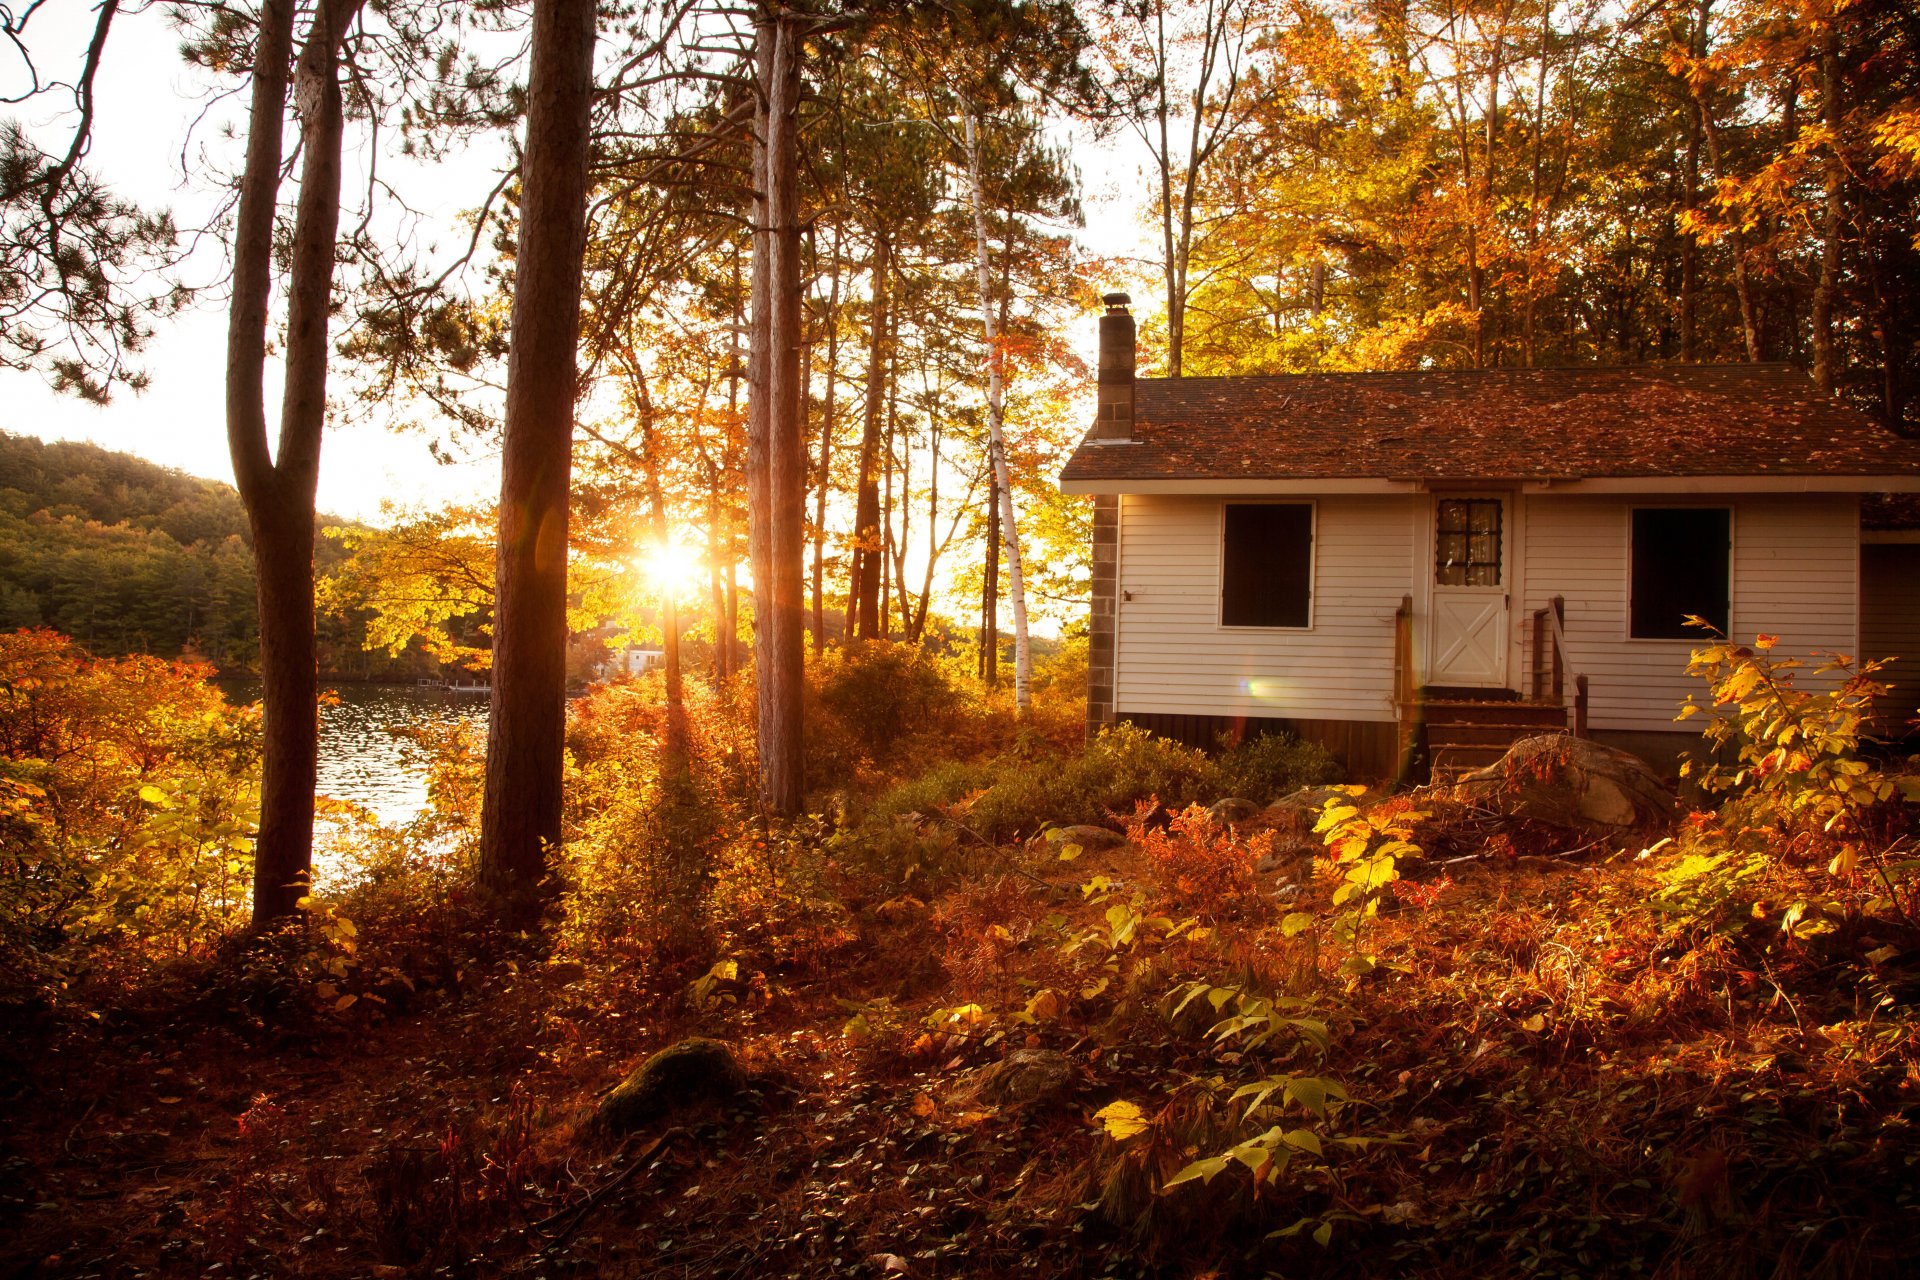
[
  {"x": 1369, "y": 750},
  {"x": 1104, "y": 614}
]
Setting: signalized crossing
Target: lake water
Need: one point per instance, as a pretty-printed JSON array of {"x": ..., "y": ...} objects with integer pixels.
[{"x": 361, "y": 759}]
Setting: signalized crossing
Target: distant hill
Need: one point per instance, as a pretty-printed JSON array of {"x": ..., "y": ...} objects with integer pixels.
[{"x": 128, "y": 556}]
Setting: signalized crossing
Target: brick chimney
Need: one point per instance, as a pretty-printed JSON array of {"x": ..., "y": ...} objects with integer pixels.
[{"x": 1114, "y": 424}]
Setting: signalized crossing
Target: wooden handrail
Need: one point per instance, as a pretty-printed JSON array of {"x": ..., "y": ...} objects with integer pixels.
[
  {"x": 1403, "y": 681},
  {"x": 1550, "y": 663}
]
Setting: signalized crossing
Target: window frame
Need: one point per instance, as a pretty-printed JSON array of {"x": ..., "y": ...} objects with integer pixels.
[
  {"x": 1220, "y": 565},
  {"x": 1626, "y": 590}
]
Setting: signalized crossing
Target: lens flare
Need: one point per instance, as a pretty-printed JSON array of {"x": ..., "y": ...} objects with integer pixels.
[{"x": 671, "y": 568}]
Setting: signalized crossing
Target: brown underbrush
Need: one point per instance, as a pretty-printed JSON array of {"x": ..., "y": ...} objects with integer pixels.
[{"x": 1431, "y": 1043}]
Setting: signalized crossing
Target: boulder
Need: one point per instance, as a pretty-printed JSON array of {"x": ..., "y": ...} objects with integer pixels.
[
  {"x": 1307, "y": 802},
  {"x": 1024, "y": 1078},
  {"x": 1567, "y": 781},
  {"x": 1231, "y": 810},
  {"x": 693, "y": 1070}
]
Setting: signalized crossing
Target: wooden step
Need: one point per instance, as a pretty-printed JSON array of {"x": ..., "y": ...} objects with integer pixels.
[
  {"x": 1476, "y": 734},
  {"x": 1496, "y": 713}
]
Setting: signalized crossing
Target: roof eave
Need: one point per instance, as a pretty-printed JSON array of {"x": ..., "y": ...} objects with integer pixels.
[{"x": 1595, "y": 485}]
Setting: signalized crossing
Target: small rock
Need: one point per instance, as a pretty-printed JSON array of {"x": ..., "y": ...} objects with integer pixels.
[
  {"x": 1267, "y": 865},
  {"x": 901, "y": 910},
  {"x": 1024, "y": 1078},
  {"x": 1232, "y": 810},
  {"x": 1086, "y": 835},
  {"x": 693, "y": 1070}
]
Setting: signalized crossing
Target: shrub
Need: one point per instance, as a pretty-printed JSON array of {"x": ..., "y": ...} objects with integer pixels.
[
  {"x": 1797, "y": 791},
  {"x": 1123, "y": 764},
  {"x": 127, "y": 799},
  {"x": 881, "y": 694},
  {"x": 1209, "y": 866},
  {"x": 932, "y": 791},
  {"x": 1268, "y": 766}
]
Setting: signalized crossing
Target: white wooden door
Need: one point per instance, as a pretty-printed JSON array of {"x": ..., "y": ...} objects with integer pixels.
[{"x": 1467, "y": 637}]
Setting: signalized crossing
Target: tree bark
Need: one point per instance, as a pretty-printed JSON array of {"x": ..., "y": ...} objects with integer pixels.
[
  {"x": 520, "y": 814},
  {"x": 868, "y": 563},
  {"x": 278, "y": 491},
  {"x": 1824, "y": 359},
  {"x": 996, "y": 427},
  {"x": 826, "y": 455},
  {"x": 776, "y": 444}
]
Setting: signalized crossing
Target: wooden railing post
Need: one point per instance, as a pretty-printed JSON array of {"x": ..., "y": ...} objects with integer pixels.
[
  {"x": 1539, "y": 674},
  {"x": 1559, "y": 659},
  {"x": 1579, "y": 706}
]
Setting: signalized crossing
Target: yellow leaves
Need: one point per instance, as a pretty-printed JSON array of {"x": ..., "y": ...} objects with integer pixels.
[
  {"x": 1046, "y": 1005},
  {"x": 1122, "y": 1120}
]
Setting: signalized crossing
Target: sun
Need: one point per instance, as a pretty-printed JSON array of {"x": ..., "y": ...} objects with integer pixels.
[{"x": 671, "y": 568}]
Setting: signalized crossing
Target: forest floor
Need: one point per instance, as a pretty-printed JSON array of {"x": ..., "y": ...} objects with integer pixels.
[{"x": 1548, "y": 1081}]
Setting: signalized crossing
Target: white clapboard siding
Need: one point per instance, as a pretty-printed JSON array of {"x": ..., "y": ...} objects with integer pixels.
[
  {"x": 1795, "y": 575},
  {"x": 1890, "y": 626},
  {"x": 1174, "y": 657}
]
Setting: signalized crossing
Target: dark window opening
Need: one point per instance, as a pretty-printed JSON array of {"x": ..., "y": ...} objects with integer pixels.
[
  {"x": 1681, "y": 558},
  {"x": 1467, "y": 542},
  {"x": 1266, "y": 565}
]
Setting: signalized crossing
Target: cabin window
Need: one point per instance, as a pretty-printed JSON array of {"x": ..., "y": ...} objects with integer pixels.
[
  {"x": 1467, "y": 542},
  {"x": 1681, "y": 565},
  {"x": 1266, "y": 576}
]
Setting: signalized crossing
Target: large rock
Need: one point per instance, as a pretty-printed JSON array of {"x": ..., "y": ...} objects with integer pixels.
[
  {"x": 1307, "y": 802},
  {"x": 1568, "y": 781},
  {"x": 693, "y": 1070},
  {"x": 1024, "y": 1078}
]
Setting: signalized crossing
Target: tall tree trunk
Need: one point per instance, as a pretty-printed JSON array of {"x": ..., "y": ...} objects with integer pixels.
[
  {"x": 1742, "y": 276},
  {"x": 990, "y": 588},
  {"x": 868, "y": 565},
  {"x": 1690, "y": 198},
  {"x": 996, "y": 428},
  {"x": 919, "y": 627},
  {"x": 776, "y": 432},
  {"x": 1824, "y": 293},
  {"x": 520, "y": 812},
  {"x": 278, "y": 488},
  {"x": 675, "y": 757},
  {"x": 826, "y": 454},
  {"x": 1176, "y": 295}
]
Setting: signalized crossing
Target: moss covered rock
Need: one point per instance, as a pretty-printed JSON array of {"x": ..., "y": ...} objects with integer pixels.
[{"x": 693, "y": 1070}]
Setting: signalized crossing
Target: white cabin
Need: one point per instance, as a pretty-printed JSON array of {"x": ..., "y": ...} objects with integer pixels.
[{"x": 1422, "y": 564}]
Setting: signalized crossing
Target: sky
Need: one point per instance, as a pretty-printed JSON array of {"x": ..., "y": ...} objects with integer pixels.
[{"x": 147, "y": 99}]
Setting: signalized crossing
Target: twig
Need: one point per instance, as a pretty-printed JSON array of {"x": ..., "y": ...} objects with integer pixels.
[
  {"x": 67, "y": 1146},
  {"x": 580, "y": 1212}
]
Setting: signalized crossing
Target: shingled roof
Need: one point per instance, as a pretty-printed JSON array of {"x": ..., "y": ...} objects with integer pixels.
[{"x": 1496, "y": 424}]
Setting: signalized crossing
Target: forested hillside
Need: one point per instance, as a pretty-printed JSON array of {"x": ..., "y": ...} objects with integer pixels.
[{"x": 130, "y": 557}]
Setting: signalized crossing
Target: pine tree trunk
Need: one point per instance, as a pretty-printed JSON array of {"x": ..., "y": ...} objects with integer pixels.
[
  {"x": 776, "y": 444},
  {"x": 520, "y": 814},
  {"x": 826, "y": 456},
  {"x": 278, "y": 491},
  {"x": 1824, "y": 293},
  {"x": 868, "y": 566}
]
